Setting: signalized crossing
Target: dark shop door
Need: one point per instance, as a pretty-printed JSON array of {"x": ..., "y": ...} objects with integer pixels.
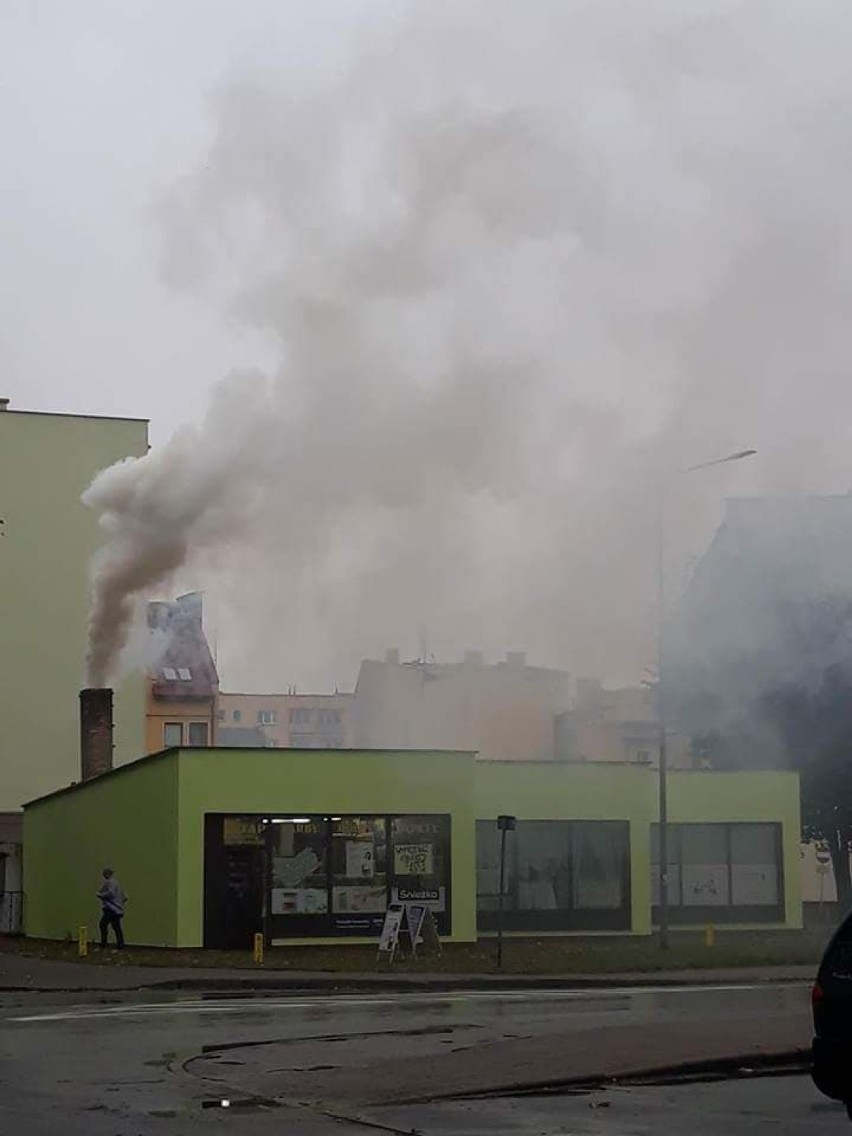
[{"x": 233, "y": 890}]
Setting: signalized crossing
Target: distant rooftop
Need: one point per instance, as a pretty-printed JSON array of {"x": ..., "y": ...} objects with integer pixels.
[
  {"x": 187, "y": 668},
  {"x": 7, "y": 408}
]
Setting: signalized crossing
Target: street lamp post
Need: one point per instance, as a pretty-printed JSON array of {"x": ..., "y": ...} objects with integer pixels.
[
  {"x": 662, "y": 718},
  {"x": 504, "y": 824}
]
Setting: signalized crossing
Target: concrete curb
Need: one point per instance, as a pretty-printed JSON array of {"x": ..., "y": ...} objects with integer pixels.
[
  {"x": 334, "y": 984},
  {"x": 442, "y": 985}
]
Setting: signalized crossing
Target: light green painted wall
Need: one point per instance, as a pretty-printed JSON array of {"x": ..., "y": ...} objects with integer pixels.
[
  {"x": 46, "y": 461},
  {"x": 631, "y": 793},
  {"x": 324, "y": 781},
  {"x": 125, "y": 820},
  {"x": 148, "y": 821},
  {"x": 579, "y": 792},
  {"x": 696, "y": 796}
]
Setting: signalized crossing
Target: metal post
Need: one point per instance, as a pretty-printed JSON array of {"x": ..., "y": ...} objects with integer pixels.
[
  {"x": 663, "y": 826},
  {"x": 267, "y": 878},
  {"x": 504, "y": 824},
  {"x": 661, "y": 688},
  {"x": 500, "y": 908}
]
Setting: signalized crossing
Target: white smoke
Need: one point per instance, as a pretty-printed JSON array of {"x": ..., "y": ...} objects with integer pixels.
[{"x": 518, "y": 262}]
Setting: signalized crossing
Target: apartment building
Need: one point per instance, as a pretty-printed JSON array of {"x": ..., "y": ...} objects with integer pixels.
[{"x": 297, "y": 721}]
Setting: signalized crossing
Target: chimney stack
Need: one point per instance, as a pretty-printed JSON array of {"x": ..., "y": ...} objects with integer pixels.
[{"x": 95, "y": 732}]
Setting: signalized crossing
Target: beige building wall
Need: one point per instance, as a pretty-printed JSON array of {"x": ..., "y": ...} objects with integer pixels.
[
  {"x": 162, "y": 717},
  {"x": 313, "y": 721},
  {"x": 617, "y": 725},
  {"x": 505, "y": 711},
  {"x": 46, "y": 461}
]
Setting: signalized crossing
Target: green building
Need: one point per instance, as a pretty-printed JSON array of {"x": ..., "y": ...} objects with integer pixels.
[
  {"x": 49, "y": 537},
  {"x": 213, "y": 845}
]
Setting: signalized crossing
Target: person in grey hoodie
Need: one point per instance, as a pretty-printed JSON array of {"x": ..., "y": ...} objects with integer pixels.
[{"x": 112, "y": 897}]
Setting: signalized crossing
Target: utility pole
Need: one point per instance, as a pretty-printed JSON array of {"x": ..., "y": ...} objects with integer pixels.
[{"x": 662, "y": 709}]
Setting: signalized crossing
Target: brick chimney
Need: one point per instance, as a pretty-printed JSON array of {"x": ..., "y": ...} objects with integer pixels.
[{"x": 95, "y": 732}]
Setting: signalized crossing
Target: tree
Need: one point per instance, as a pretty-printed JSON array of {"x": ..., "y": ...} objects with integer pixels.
[{"x": 815, "y": 726}]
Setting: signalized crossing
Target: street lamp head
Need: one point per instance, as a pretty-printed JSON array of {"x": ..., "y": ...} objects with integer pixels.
[{"x": 738, "y": 456}]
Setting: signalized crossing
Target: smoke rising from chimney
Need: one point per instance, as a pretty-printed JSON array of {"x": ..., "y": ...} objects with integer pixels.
[{"x": 516, "y": 263}]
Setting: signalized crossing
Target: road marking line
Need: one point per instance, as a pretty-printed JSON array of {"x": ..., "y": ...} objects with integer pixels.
[{"x": 355, "y": 1001}]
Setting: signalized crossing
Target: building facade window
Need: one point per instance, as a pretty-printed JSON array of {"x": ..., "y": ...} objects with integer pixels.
[
  {"x": 199, "y": 733},
  {"x": 267, "y": 717},
  {"x": 359, "y": 871},
  {"x": 172, "y": 734},
  {"x": 237, "y": 715},
  {"x": 301, "y": 716},
  {"x": 327, "y": 875},
  {"x": 560, "y": 875},
  {"x": 721, "y": 873}
]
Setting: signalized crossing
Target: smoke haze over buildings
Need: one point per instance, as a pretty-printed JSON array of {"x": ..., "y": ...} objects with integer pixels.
[{"x": 518, "y": 263}]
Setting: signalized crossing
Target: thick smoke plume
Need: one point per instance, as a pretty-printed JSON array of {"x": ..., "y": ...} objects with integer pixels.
[{"x": 518, "y": 264}]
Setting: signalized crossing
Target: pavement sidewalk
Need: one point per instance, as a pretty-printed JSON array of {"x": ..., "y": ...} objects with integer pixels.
[{"x": 20, "y": 972}]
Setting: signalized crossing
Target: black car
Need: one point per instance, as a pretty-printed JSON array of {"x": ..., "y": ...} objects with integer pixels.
[{"x": 832, "y": 1006}]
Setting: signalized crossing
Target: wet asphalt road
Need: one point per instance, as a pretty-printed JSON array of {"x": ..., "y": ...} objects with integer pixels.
[{"x": 133, "y": 1067}]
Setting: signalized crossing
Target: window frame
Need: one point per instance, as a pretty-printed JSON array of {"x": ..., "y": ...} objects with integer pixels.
[
  {"x": 695, "y": 915},
  {"x": 331, "y": 923},
  {"x": 197, "y": 745},
  {"x": 571, "y": 917},
  {"x": 172, "y": 745}
]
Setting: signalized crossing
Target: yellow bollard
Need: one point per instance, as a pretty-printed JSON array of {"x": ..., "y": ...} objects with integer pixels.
[
  {"x": 710, "y": 936},
  {"x": 258, "y": 948},
  {"x": 82, "y": 942}
]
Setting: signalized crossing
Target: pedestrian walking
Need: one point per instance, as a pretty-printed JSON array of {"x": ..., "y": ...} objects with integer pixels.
[{"x": 113, "y": 899}]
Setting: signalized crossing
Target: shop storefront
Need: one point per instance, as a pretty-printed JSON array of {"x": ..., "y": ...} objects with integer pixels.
[
  {"x": 216, "y": 845},
  {"x": 322, "y": 875},
  {"x": 721, "y": 873},
  {"x": 560, "y": 875}
]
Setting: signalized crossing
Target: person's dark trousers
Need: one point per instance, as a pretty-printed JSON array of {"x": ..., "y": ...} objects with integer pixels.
[{"x": 110, "y": 919}]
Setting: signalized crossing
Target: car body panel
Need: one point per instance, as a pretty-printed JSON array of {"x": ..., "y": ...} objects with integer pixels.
[{"x": 832, "y": 1011}]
